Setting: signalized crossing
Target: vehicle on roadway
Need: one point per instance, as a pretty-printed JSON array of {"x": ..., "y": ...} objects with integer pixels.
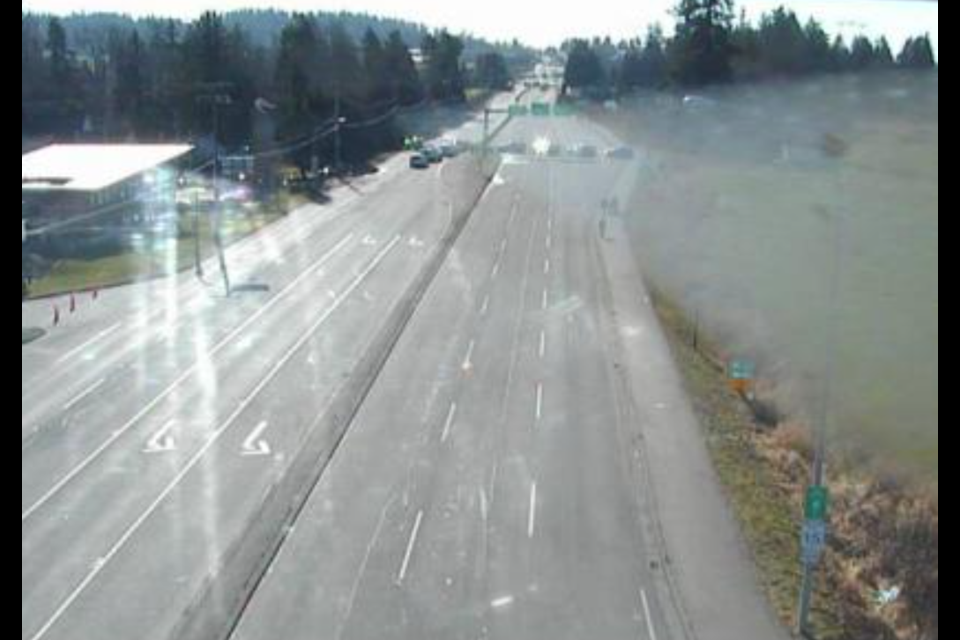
[
  {"x": 584, "y": 151},
  {"x": 419, "y": 161},
  {"x": 621, "y": 153},
  {"x": 433, "y": 154},
  {"x": 449, "y": 149}
]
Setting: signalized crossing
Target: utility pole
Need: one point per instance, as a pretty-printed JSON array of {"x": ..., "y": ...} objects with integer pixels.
[
  {"x": 338, "y": 139},
  {"x": 218, "y": 97}
]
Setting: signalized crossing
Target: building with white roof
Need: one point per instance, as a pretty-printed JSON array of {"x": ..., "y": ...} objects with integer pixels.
[{"x": 61, "y": 182}]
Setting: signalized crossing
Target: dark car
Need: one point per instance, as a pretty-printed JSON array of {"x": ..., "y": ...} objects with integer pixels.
[
  {"x": 621, "y": 153},
  {"x": 419, "y": 161},
  {"x": 432, "y": 154}
]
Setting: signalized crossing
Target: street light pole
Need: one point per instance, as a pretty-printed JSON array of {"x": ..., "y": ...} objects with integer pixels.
[
  {"x": 818, "y": 474},
  {"x": 198, "y": 254}
]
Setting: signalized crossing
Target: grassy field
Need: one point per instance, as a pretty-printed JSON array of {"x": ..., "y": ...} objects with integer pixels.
[
  {"x": 154, "y": 256},
  {"x": 765, "y": 505},
  {"x": 794, "y": 217}
]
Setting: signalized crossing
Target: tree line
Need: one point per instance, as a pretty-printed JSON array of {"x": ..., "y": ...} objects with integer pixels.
[
  {"x": 115, "y": 78},
  {"x": 711, "y": 45}
]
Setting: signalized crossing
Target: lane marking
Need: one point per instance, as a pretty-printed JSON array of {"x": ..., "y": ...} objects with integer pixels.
[
  {"x": 485, "y": 307},
  {"x": 162, "y": 441},
  {"x": 61, "y": 484},
  {"x": 532, "y": 517},
  {"x": 89, "y": 343},
  {"x": 215, "y": 437},
  {"x": 255, "y": 445},
  {"x": 546, "y": 300},
  {"x": 546, "y": 267},
  {"x": 468, "y": 359},
  {"x": 83, "y": 395},
  {"x": 543, "y": 344},
  {"x": 651, "y": 630},
  {"x": 448, "y": 425},
  {"x": 411, "y": 546},
  {"x": 502, "y": 603},
  {"x": 539, "y": 402}
]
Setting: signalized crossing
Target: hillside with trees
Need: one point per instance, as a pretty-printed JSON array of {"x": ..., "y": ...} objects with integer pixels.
[
  {"x": 111, "y": 77},
  {"x": 711, "y": 45}
]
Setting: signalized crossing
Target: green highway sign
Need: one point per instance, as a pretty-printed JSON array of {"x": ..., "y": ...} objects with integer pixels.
[
  {"x": 743, "y": 370},
  {"x": 817, "y": 503}
]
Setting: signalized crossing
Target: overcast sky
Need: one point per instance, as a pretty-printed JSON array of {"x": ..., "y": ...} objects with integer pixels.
[{"x": 533, "y": 23}]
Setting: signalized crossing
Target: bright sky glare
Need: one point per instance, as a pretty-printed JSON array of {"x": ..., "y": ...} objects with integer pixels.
[{"x": 535, "y": 24}]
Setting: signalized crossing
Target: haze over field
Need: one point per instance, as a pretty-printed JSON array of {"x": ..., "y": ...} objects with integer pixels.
[{"x": 743, "y": 210}]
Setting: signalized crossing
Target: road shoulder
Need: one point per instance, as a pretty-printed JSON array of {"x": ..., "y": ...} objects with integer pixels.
[{"x": 714, "y": 583}]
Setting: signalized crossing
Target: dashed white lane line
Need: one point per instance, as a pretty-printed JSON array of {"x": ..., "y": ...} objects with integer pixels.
[
  {"x": 411, "y": 547},
  {"x": 83, "y": 395},
  {"x": 532, "y": 516},
  {"x": 468, "y": 358},
  {"x": 448, "y": 425},
  {"x": 539, "y": 403},
  {"x": 651, "y": 629},
  {"x": 89, "y": 343}
]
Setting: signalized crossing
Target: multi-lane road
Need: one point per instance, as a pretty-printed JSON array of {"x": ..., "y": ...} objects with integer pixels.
[{"x": 435, "y": 423}]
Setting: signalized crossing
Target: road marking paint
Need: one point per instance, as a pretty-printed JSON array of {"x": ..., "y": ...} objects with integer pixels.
[
  {"x": 502, "y": 603},
  {"x": 468, "y": 359},
  {"x": 255, "y": 445},
  {"x": 89, "y": 343},
  {"x": 546, "y": 267},
  {"x": 485, "y": 307},
  {"x": 128, "y": 535},
  {"x": 83, "y": 395},
  {"x": 448, "y": 425},
  {"x": 162, "y": 441},
  {"x": 651, "y": 630},
  {"x": 411, "y": 546},
  {"x": 543, "y": 345},
  {"x": 186, "y": 375},
  {"x": 546, "y": 300},
  {"x": 539, "y": 402},
  {"x": 532, "y": 517}
]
